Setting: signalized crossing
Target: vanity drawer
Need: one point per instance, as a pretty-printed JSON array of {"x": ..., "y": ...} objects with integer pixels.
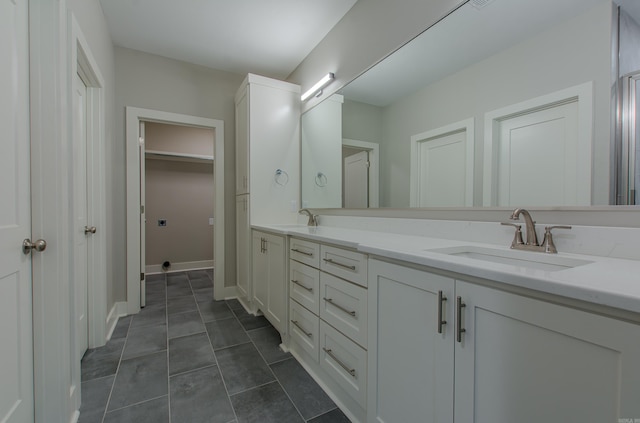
[
  {"x": 344, "y": 361},
  {"x": 306, "y": 252},
  {"x": 304, "y": 328},
  {"x": 344, "y": 306},
  {"x": 304, "y": 285},
  {"x": 349, "y": 265}
]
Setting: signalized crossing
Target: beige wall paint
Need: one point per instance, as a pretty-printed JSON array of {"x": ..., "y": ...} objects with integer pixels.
[
  {"x": 154, "y": 82},
  {"x": 181, "y": 193},
  {"x": 179, "y": 139}
]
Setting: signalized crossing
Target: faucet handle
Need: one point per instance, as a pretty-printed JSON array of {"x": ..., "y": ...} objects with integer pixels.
[
  {"x": 517, "y": 237},
  {"x": 547, "y": 243}
]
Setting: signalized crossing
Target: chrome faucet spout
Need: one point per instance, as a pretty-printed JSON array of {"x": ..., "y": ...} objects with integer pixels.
[
  {"x": 532, "y": 238},
  {"x": 313, "y": 218}
]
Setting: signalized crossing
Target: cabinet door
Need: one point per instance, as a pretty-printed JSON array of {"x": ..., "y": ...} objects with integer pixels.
[
  {"x": 243, "y": 241},
  {"x": 410, "y": 363},
  {"x": 276, "y": 309},
  {"x": 529, "y": 361},
  {"x": 242, "y": 144},
  {"x": 260, "y": 267}
]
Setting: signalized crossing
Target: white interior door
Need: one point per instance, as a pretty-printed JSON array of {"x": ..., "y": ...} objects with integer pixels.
[
  {"x": 356, "y": 180},
  {"x": 537, "y": 158},
  {"x": 16, "y": 329},
  {"x": 143, "y": 219},
  {"x": 442, "y": 171},
  {"x": 81, "y": 273}
]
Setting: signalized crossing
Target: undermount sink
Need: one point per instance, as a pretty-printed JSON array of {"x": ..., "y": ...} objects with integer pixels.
[{"x": 531, "y": 260}]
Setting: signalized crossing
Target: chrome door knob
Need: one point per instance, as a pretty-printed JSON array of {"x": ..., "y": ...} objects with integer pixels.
[
  {"x": 89, "y": 230},
  {"x": 28, "y": 246}
]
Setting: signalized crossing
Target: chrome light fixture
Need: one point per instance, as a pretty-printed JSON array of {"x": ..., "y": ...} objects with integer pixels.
[{"x": 317, "y": 88}]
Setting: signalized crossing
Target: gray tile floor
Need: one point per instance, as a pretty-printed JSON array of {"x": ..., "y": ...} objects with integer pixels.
[{"x": 188, "y": 359}]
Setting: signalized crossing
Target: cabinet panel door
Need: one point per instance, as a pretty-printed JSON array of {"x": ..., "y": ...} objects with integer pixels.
[
  {"x": 260, "y": 266},
  {"x": 529, "y": 361},
  {"x": 276, "y": 310},
  {"x": 242, "y": 144},
  {"x": 243, "y": 247},
  {"x": 410, "y": 363}
]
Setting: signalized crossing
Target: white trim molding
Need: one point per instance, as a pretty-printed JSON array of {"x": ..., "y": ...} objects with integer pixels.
[
  {"x": 151, "y": 269},
  {"x": 134, "y": 116}
]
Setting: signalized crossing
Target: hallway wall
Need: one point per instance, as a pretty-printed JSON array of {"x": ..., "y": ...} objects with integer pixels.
[{"x": 154, "y": 82}]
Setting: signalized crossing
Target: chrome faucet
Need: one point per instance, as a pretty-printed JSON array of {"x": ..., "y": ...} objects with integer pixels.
[
  {"x": 547, "y": 245},
  {"x": 532, "y": 238},
  {"x": 313, "y": 218}
]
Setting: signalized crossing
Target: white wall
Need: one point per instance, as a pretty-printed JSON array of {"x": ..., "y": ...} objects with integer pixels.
[
  {"x": 321, "y": 138},
  {"x": 153, "y": 82},
  {"x": 369, "y": 31}
]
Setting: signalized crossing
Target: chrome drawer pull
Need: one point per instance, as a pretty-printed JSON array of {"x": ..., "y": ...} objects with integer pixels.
[
  {"x": 330, "y": 301},
  {"x": 346, "y": 266},
  {"x": 301, "y": 285},
  {"x": 302, "y": 252},
  {"x": 295, "y": 322},
  {"x": 441, "y": 321},
  {"x": 459, "y": 329},
  {"x": 352, "y": 372}
]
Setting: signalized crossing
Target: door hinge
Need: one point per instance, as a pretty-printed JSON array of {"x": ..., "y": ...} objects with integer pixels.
[
  {"x": 141, "y": 209},
  {"x": 368, "y": 164},
  {"x": 141, "y": 276}
]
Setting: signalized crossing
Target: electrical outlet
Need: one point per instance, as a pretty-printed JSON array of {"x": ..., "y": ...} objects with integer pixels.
[
  {"x": 293, "y": 206},
  {"x": 162, "y": 222}
]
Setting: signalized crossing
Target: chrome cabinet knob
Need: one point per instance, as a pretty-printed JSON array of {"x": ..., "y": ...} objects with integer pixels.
[
  {"x": 28, "y": 246},
  {"x": 90, "y": 230}
]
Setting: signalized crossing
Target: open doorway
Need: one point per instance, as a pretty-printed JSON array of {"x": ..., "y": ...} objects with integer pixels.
[
  {"x": 360, "y": 173},
  {"x": 137, "y": 121},
  {"x": 178, "y": 198}
]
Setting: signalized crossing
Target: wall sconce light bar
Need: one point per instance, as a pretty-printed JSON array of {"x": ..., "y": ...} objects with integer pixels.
[{"x": 317, "y": 88}]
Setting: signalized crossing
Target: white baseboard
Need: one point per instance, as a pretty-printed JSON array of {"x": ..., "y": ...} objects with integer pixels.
[
  {"x": 179, "y": 267},
  {"x": 118, "y": 310}
]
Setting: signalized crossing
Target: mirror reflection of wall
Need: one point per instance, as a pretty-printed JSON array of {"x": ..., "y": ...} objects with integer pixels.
[
  {"x": 473, "y": 65},
  {"x": 321, "y": 136}
]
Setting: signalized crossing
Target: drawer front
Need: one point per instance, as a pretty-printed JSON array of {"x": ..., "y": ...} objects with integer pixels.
[
  {"x": 349, "y": 265},
  {"x": 344, "y": 361},
  {"x": 344, "y": 306},
  {"x": 304, "y": 328},
  {"x": 304, "y": 285},
  {"x": 306, "y": 252}
]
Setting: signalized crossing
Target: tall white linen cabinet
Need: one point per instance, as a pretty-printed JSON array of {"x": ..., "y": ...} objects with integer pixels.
[{"x": 267, "y": 182}]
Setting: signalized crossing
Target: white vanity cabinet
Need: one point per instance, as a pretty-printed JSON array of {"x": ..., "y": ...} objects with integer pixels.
[
  {"x": 328, "y": 319},
  {"x": 269, "y": 277},
  {"x": 410, "y": 362},
  {"x": 516, "y": 359}
]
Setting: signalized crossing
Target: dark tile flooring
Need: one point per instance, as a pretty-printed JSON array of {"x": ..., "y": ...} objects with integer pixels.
[{"x": 188, "y": 359}]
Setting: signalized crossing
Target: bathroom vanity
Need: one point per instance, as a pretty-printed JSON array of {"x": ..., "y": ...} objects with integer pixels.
[{"x": 399, "y": 327}]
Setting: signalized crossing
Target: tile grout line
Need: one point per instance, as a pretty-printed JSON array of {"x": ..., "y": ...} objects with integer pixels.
[
  {"x": 115, "y": 375},
  {"x": 166, "y": 317},
  {"x": 215, "y": 357},
  {"x": 271, "y": 370}
]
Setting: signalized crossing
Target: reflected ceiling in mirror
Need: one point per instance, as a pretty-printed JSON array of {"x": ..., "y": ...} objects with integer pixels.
[{"x": 508, "y": 104}]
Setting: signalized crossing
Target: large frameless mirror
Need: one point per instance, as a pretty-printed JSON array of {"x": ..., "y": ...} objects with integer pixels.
[{"x": 501, "y": 105}]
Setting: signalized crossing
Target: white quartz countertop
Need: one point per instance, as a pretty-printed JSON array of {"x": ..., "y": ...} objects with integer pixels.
[{"x": 606, "y": 281}]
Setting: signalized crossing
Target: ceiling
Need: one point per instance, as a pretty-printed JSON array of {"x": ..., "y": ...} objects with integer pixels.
[{"x": 270, "y": 38}]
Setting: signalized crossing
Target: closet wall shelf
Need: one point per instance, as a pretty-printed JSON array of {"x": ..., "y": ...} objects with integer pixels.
[{"x": 180, "y": 157}]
